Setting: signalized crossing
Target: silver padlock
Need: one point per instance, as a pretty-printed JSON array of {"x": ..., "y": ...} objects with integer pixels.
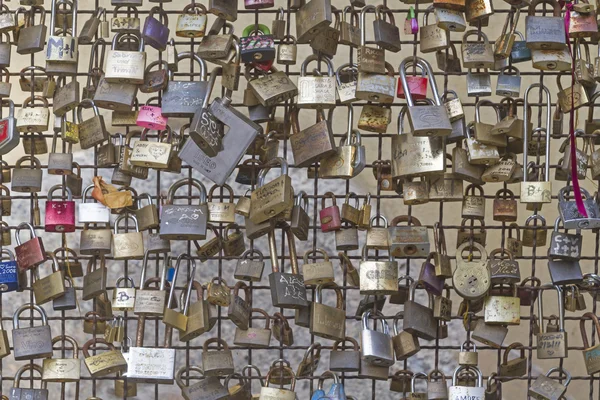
[
  {"x": 467, "y": 392},
  {"x": 570, "y": 215},
  {"x": 376, "y": 347}
]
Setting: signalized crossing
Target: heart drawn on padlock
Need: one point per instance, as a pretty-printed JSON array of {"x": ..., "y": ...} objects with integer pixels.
[{"x": 157, "y": 151}]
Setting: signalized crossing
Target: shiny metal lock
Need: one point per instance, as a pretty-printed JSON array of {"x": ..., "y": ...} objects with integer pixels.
[
  {"x": 467, "y": 357},
  {"x": 62, "y": 369},
  {"x": 184, "y": 222},
  {"x": 432, "y": 37},
  {"x": 545, "y": 388},
  {"x": 31, "y": 342},
  {"x": 33, "y": 119},
  {"x": 552, "y": 345},
  {"x": 508, "y": 85},
  {"x": 124, "y": 66},
  {"x": 478, "y": 54},
  {"x": 467, "y": 392},
  {"x": 471, "y": 279},
  {"x": 376, "y": 347},
  {"x": 18, "y": 393},
  {"x": 569, "y": 212},
  {"x": 104, "y": 363},
  {"x": 287, "y": 50},
  {"x": 479, "y": 84},
  {"x": 589, "y": 353},
  {"x": 149, "y": 301},
  {"x": 316, "y": 91},
  {"x": 378, "y": 277},
  {"x": 537, "y": 193},
  {"x": 418, "y": 319},
  {"x": 425, "y": 120}
]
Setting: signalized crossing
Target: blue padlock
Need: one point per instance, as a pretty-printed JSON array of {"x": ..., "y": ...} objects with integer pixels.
[
  {"x": 520, "y": 52},
  {"x": 336, "y": 392},
  {"x": 9, "y": 276}
]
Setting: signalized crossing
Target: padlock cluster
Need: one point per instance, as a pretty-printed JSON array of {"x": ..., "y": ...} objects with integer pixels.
[{"x": 218, "y": 137}]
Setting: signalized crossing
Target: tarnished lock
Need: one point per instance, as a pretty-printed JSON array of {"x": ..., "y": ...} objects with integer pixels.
[
  {"x": 468, "y": 357},
  {"x": 545, "y": 33},
  {"x": 183, "y": 98},
  {"x": 350, "y": 30},
  {"x": 326, "y": 42},
  {"x": 32, "y": 37},
  {"x": 378, "y": 236},
  {"x": 405, "y": 343},
  {"x": 344, "y": 360},
  {"x": 27, "y": 180},
  {"x": 125, "y": 66},
  {"x": 31, "y": 342},
  {"x": 432, "y": 37},
  {"x": 92, "y": 131},
  {"x": 503, "y": 310},
  {"x": 378, "y": 277},
  {"x": 517, "y": 366},
  {"x": 401, "y": 381},
  {"x": 129, "y": 245},
  {"x": 326, "y": 321},
  {"x": 123, "y": 298},
  {"x": 202, "y": 315},
  {"x": 287, "y": 289},
  {"x": 317, "y": 273},
  {"x": 376, "y": 87},
  {"x": 545, "y": 388},
  {"x": 571, "y": 98},
  {"x": 425, "y": 120},
  {"x": 254, "y": 337},
  {"x": 408, "y": 241},
  {"x": 590, "y": 353},
  {"x": 563, "y": 245},
  {"x": 209, "y": 388},
  {"x": 418, "y": 319},
  {"x": 274, "y": 88},
  {"x": 471, "y": 279},
  {"x": 503, "y": 171},
  {"x": 552, "y": 344},
  {"x": 387, "y": 34},
  {"x": 483, "y": 131},
  {"x": 215, "y": 363},
  {"x": 348, "y": 269},
  {"x": 376, "y": 347},
  {"x": 33, "y": 119},
  {"x": 505, "y": 207},
  {"x": 508, "y": 85},
  {"x": 128, "y": 24},
  {"x": 473, "y": 205},
  {"x": 267, "y": 392},
  {"x": 184, "y": 221},
  {"x": 451, "y": 20},
  {"x": 569, "y": 212},
  {"x": 51, "y": 286},
  {"x": 415, "y": 192},
  {"x": 313, "y": 143},
  {"x": 437, "y": 389},
  {"x": 171, "y": 317},
  {"x": 370, "y": 59},
  {"x": 537, "y": 193},
  {"x": 94, "y": 282},
  {"x": 479, "y": 54}
]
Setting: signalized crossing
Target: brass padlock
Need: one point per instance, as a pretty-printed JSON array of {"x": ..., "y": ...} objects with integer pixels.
[
  {"x": 432, "y": 37},
  {"x": 545, "y": 388},
  {"x": 478, "y": 54},
  {"x": 62, "y": 369},
  {"x": 552, "y": 344}
]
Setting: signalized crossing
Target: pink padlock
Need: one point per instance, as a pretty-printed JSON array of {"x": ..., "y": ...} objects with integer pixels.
[
  {"x": 60, "y": 215},
  {"x": 417, "y": 85},
  {"x": 151, "y": 117},
  {"x": 330, "y": 216}
]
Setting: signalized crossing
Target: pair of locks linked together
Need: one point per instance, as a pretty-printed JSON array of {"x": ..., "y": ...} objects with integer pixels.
[{"x": 484, "y": 152}]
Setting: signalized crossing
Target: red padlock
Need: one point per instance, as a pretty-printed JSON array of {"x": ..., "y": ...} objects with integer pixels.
[
  {"x": 330, "y": 216},
  {"x": 32, "y": 252},
  {"x": 263, "y": 66},
  {"x": 416, "y": 84},
  {"x": 60, "y": 215}
]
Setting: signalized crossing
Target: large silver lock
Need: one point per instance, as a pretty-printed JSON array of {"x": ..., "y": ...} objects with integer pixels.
[
  {"x": 570, "y": 215},
  {"x": 376, "y": 347},
  {"x": 467, "y": 392}
]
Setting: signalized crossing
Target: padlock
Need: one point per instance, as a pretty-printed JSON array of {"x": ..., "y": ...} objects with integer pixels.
[
  {"x": 552, "y": 344},
  {"x": 329, "y": 216},
  {"x": 313, "y": 17},
  {"x": 350, "y": 272},
  {"x": 254, "y": 337},
  {"x": 51, "y": 286},
  {"x": 370, "y": 59},
  {"x": 91, "y": 25},
  {"x": 478, "y": 54},
  {"x": 282, "y": 331},
  {"x": 408, "y": 241},
  {"x": 569, "y": 212},
  {"x": 376, "y": 347},
  {"x": 66, "y": 96},
  {"x": 94, "y": 281},
  {"x": 437, "y": 389},
  {"x": 517, "y": 366},
  {"x": 150, "y": 302},
  {"x": 418, "y": 319},
  {"x": 60, "y": 215},
  {"x": 563, "y": 245},
  {"x": 503, "y": 310},
  {"x": 448, "y": 62},
  {"x": 473, "y": 205},
  {"x": 479, "y": 84},
  {"x": 31, "y": 253},
  {"x": 267, "y": 392},
  {"x": 104, "y": 363},
  {"x": 376, "y": 87},
  {"x": 274, "y": 198},
  {"x": 151, "y": 364},
  {"x": 129, "y": 245},
  {"x": 378, "y": 236},
  {"x": 341, "y": 360},
  {"x": 425, "y": 120},
  {"x": 92, "y": 131},
  {"x": 313, "y": 143},
  {"x": 478, "y": 12},
  {"x": 387, "y": 34},
  {"x": 378, "y": 277},
  {"x": 589, "y": 353},
  {"x": 9, "y": 282},
  {"x": 537, "y": 193},
  {"x": 432, "y": 37},
  {"x": 415, "y": 192},
  {"x": 33, "y": 119},
  {"x": 32, "y": 342},
  {"x": 471, "y": 279},
  {"x": 467, "y": 357},
  {"x": 505, "y": 207},
  {"x": 350, "y": 30},
  {"x": 317, "y": 273},
  {"x": 125, "y": 66},
  {"x": 503, "y": 47},
  {"x": 508, "y": 85},
  {"x": 18, "y": 393},
  {"x": 450, "y": 20},
  {"x": 287, "y": 290},
  {"x": 483, "y": 131},
  {"x": 128, "y": 24},
  {"x": 32, "y": 37},
  {"x": 504, "y": 271},
  {"x": 199, "y": 389},
  {"x": 326, "y": 321},
  {"x": 215, "y": 363},
  {"x": 123, "y": 298},
  {"x": 92, "y": 212},
  {"x": 62, "y": 369},
  {"x": 171, "y": 317},
  {"x": 249, "y": 269},
  {"x": 184, "y": 222},
  {"x": 545, "y": 388},
  {"x": 326, "y": 42},
  {"x": 405, "y": 343},
  {"x": 346, "y": 89},
  {"x": 401, "y": 381},
  {"x": 316, "y": 91},
  {"x": 150, "y": 117},
  {"x": 202, "y": 315},
  {"x": 156, "y": 31},
  {"x": 457, "y": 391}
]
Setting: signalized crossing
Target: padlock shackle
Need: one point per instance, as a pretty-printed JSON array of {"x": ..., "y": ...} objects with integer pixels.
[
  {"x": 595, "y": 322},
  {"x": 467, "y": 368},
  {"x": 363, "y": 33},
  {"x": 183, "y": 307},
  {"x": 32, "y": 368},
  {"x": 365, "y": 321},
  {"x": 24, "y": 225},
  {"x": 186, "y": 181},
  {"x": 513, "y": 346},
  {"x": 338, "y": 294},
  {"x": 211, "y": 84},
  {"x": 548, "y": 118},
  {"x": 561, "y": 310},
  {"x": 277, "y": 161},
  {"x": 58, "y": 187},
  {"x": 413, "y": 380},
  {"x": 32, "y": 307},
  {"x": 186, "y": 368},
  {"x": 126, "y": 216},
  {"x": 486, "y": 103},
  {"x": 292, "y": 246},
  {"x": 559, "y": 370}
]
